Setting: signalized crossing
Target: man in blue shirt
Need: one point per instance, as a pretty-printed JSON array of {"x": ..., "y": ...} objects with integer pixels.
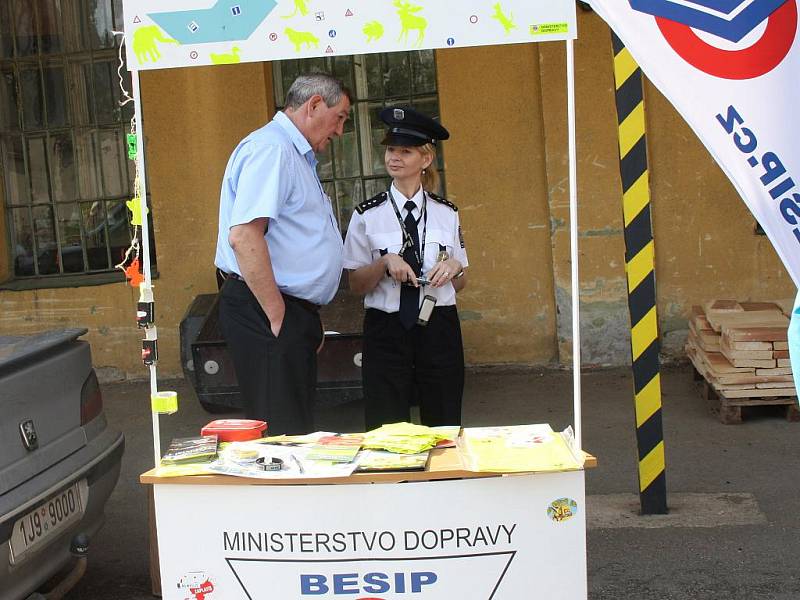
[{"x": 279, "y": 250}]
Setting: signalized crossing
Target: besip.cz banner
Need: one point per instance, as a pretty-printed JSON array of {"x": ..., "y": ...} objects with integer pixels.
[{"x": 732, "y": 69}]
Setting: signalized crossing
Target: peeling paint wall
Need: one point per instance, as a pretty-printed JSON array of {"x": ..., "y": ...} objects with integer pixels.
[
  {"x": 192, "y": 122},
  {"x": 604, "y": 312},
  {"x": 5, "y": 256},
  {"x": 705, "y": 245},
  {"x": 506, "y": 169},
  {"x": 496, "y": 175}
]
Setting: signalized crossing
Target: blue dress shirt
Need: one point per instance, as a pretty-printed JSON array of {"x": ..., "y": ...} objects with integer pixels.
[{"x": 272, "y": 173}]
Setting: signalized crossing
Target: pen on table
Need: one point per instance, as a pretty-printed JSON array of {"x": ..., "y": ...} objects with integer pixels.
[{"x": 297, "y": 462}]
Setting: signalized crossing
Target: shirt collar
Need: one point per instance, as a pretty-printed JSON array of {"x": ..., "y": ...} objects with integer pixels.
[
  {"x": 401, "y": 199},
  {"x": 298, "y": 139}
]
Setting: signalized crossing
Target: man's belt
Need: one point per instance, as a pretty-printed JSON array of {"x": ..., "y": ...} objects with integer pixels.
[
  {"x": 304, "y": 303},
  {"x": 234, "y": 276}
]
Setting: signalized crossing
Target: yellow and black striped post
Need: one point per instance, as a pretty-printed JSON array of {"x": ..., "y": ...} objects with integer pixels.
[{"x": 640, "y": 269}]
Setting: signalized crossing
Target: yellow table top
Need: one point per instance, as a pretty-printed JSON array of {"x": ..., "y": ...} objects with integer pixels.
[{"x": 444, "y": 463}]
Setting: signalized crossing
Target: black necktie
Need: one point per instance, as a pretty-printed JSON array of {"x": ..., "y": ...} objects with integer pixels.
[{"x": 409, "y": 295}]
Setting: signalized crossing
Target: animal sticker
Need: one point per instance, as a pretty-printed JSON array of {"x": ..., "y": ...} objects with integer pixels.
[
  {"x": 301, "y": 38},
  {"x": 227, "y": 59},
  {"x": 300, "y": 8},
  {"x": 144, "y": 43},
  {"x": 507, "y": 21},
  {"x": 409, "y": 20},
  {"x": 373, "y": 30}
]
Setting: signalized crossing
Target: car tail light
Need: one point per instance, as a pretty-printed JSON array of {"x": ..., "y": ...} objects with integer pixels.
[{"x": 91, "y": 399}]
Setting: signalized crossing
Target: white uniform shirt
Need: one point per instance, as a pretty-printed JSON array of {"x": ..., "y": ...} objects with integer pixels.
[{"x": 377, "y": 229}]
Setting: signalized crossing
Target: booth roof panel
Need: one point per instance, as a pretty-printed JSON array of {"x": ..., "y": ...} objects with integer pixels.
[{"x": 175, "y": 33}]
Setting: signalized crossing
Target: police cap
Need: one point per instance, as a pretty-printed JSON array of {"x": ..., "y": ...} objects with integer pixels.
[{"x": 407, "y": 127}]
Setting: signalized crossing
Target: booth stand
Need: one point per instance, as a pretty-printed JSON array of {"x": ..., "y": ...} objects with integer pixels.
[{"x": 443, "y": 533}]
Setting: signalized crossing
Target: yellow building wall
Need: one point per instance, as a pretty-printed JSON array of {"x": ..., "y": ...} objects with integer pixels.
[
  {"x": 495, "y": 169},
  {"x": 193, "y": 120},
  {"x": 5, "y": 255},
  {"x": 705, "y": 244},
  {"x": 604, "y": 317},
  {"x": 506, "y": 169}
]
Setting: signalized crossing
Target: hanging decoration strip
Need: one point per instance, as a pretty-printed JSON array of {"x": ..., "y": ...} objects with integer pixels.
[
  {"x": 136, "y": 264},
  {"x": 178, "y": 33}
]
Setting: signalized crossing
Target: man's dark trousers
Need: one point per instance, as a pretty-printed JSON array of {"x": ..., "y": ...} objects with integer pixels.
[{"x": 277, "y": 376}]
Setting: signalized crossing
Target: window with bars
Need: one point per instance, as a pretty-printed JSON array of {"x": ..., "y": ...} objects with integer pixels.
[
  {"x": 63, "y": 159},
  {"x": 352, "y": 169}
]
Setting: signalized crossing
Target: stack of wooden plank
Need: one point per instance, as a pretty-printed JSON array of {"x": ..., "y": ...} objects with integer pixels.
[{"x": 740, "y": 350}]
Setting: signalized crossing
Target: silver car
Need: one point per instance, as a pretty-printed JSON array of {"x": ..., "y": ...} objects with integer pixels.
[{"x": 59, "y": 462}]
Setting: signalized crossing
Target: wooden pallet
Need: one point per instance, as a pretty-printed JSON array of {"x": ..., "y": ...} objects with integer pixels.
[{"x": 729, "y": 410}]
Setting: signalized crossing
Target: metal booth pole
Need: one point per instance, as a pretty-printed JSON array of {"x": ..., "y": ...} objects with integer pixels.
[
  {"x": 149, "y": 344},
  {"x": 573, "y": 245}
]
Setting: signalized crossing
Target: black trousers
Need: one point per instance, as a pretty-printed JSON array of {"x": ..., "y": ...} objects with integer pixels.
[
  {"x": 399, "y": 365},
  {"x": 277, "y": 376}
]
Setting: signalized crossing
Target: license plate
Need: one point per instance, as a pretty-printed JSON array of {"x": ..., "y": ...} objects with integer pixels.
[{"x": 47, "y": 520}]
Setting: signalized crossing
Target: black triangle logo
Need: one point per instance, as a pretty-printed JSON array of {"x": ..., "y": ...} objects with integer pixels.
[{"x": 136, "y": 19}]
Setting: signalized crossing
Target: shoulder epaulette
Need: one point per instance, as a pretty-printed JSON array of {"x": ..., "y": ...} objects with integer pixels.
[
  {"x": 444, "y": 201},
  {"x": 376, "y": 200}
]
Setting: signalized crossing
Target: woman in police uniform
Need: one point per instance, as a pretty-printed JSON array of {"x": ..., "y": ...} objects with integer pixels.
[{"x": 405, "y": 251}]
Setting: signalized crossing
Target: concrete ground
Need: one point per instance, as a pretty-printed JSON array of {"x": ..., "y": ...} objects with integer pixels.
[{"x": 733, "y": 532}]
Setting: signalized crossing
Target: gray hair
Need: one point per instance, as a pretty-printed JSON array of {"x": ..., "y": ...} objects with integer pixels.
[{"x": 306, "y": 86}]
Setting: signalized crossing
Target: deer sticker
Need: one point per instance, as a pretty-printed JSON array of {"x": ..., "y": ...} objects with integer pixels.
[{"x": 410, "y": 20}]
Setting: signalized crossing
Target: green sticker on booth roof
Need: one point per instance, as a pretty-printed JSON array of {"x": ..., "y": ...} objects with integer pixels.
[
  {"x": 132, "y": 146},
  {"x": 549, "y": 28}
]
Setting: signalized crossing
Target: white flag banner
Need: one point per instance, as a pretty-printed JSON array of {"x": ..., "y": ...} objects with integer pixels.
[
  {"x": 794, "y": 341},
  {"x": 732, "y": 69}
]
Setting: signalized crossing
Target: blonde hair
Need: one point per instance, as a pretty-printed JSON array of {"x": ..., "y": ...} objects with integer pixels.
[{"x": 430, "y": 176}]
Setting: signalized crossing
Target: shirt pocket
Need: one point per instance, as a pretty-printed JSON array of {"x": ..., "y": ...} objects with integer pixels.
[
  {"x": 382, "y": 243},
  {"x": 436, "y": 240}
]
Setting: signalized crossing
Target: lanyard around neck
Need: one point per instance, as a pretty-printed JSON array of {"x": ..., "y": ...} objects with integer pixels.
[{"x": 408, "y": 242}]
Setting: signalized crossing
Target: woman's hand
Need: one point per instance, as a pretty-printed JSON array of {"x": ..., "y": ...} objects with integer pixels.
[
  {"x": 443, "y": 272},
  {"x": 400, "y": 270}
]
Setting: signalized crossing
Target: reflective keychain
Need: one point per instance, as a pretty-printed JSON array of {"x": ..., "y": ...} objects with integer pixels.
[{"x": 426, "y": 310}]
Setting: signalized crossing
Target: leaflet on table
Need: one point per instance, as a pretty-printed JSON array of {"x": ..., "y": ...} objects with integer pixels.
[
  {"x": 295, "y": 440},
  {"x": 449, "y": 435},
  {"x": 294, "y": 463},
  {"x": 403, "y": 438},
  {"x": 517, "y": 449},
  {"x": 336, "y": 448},
  {"x": 184, "y": 470},
  {"x": 381, "y": 460},
  {"x": 190, "y": 450}
]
